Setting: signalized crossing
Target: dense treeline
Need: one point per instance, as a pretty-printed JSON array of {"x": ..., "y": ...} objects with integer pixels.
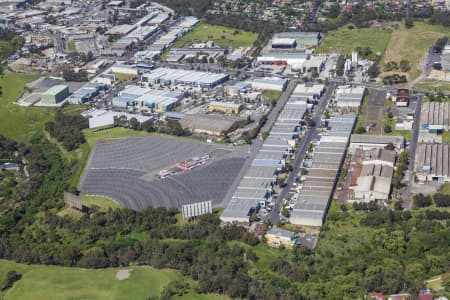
[
  {"x": 439, "y": 200},
  {"x": 66, "y": 128},
  {"x": 71, "y": 75},
  {"x": 33, "y": 169},
  {"x": 440, "y": 17},
  {"x": 188, "y": 7}
]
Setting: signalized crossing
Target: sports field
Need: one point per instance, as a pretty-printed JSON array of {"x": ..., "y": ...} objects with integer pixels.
[
  {"x": 19, "y": 122},
  {"x": 345, "y": 40},
  {"x": 55, "y": 283},
  {"x": 221, "y": 35}
]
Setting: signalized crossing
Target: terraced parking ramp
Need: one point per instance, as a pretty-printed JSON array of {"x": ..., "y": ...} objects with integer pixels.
[{"x": 125, "y": 170}]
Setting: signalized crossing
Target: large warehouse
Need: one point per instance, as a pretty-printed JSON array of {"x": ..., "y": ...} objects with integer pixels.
[
  {"x": 432, "y": 162},
  {"x": 435, "y": 117},
  {"x": 55, "y": 94},
  {"x": 166, "y": 76},
  {"x": 318, "y": 187}
]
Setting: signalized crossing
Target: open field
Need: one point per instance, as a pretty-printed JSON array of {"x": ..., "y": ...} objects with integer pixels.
[
  {"x": 221, "y": 35},
  {"x": 19, "y": 122},
  {"x": 54, "y": 283},
  {"x": 344, "y": 40},
  {"x": 412, "y": 44},
  {"x": 271, "y": 96},
  {"x": 434, "y": 86},
  {"x": 126, "y": 170}
]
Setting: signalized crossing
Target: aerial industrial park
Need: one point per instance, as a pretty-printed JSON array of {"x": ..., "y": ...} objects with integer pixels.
[{"x": 225, "y": 149}]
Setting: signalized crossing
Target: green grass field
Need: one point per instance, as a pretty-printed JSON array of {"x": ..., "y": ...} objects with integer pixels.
[
  {"x": 436, "y": 86},
  {"x": 344, "y": 40},
  {"x": 445, "y": 189},
  {"x": 271, "y": 96},
  {"x": 412, "y": 44},
  {"x": 54, "y": 283},
  {"x": 103, "y": 202},
  {"x": 221, "y": 35},
  {"x": 19, "y": 122},
  {"x": 6, "y": 49}
]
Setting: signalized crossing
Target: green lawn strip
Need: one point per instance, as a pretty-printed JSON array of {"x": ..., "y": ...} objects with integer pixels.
[
  {"x": 435, "y": 86},
  {"x": 271, "y": 96},
  {"x": 103, "y": 202}
]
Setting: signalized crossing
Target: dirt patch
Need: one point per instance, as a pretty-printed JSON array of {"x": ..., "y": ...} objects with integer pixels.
[{"x": 123, "y": 274}]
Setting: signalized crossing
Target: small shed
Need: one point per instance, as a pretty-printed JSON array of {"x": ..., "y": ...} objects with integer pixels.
[{"x": 73, "y": 201}]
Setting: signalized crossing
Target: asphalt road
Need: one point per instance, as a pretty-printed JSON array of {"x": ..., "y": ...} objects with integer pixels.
[
  {"x": 300, "y": 152},
  {"x": 406, "y": 195}
]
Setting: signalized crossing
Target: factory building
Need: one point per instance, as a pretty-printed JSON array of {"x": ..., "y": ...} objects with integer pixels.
[
  {"x": 318, "y": 186},
  {"x": 132, "y": 95},
  {"x": 368, "y": 142},
  {"x": 166, "y": 76},
  {"x": 269, "y": 83},
  {"x": 102, "y": 117},
  {"x": 124, "y": 69},
  {"x": 372, "y": 176},
  {"x": 225, "y": 107},
  {"x": 350, "y": 97},
  {"x": 105, "y": 78},
  {"x": 432, "y": 163},
  {"x": 86, "y": 93},
  {"x": 310, "y": 92},
  {"x": 55, "y": 94},
  {"x": 282, "y": 58},
  {"x": 277, "y": 237},
  {"x": 289, "y": 48}
]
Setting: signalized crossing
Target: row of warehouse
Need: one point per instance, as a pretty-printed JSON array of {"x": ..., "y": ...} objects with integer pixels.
[
  {"x": 256, "y": 187},
  {"x": 318, "y": 186}
]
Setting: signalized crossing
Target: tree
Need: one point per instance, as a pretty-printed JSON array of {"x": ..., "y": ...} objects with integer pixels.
[
  {"x": 148, "y": 126},
  {"x": 360, "y": 130},
  {"x": 441, "y": 200},
  {"x": 390, "y": 147},
  {"x": 374, "y": 70},
  {"x": 404, "y": 65},
  {"x": 134, "y": 124},
  {"x": 11, "y": 277},
  {"x": 387, "y": 128},
  {"x": 421, "y": 200},
  {"x": 446, "y": 281},
  {"x": 285, "y": 212},
  {"x": 409, "y": 23}
]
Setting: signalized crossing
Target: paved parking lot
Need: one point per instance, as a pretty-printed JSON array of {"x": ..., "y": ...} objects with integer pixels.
[{"x": 125, "y": 170}]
